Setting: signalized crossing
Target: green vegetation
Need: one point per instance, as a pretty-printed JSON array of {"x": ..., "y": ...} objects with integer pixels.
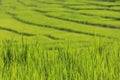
[
  {"x": 59, "y": 40},
  {"x": 41, "y": 62}
]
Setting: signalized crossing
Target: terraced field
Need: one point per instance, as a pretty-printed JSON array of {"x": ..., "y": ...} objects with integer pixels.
[{"x": 64, "y": 31}]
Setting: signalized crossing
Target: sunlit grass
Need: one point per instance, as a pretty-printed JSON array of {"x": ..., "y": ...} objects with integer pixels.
[{"x": 37, "y": 62}]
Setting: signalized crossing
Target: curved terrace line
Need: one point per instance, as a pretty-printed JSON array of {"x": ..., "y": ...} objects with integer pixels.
[
  {"x": 27, "y": 34},
  {"x": 51, "y": 37},
  {"x": 107, "y": 17},
  {"x": 88, "y": 3},
  {"x": 61, "y": 29},
  {"x": 108, "y": 9},
  {"x": 79, "y": 22},
  {"x": 74, "y": 9},
  {"x": 16, "y": 32},
  {"x": 97, "y": 4}
]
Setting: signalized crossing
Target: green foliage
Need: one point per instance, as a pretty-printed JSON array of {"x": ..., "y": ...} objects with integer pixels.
[
  {"x": 110, "y": 0},
  {"x": 36, "y": 62},
  {"x": 61, "y": 40}
]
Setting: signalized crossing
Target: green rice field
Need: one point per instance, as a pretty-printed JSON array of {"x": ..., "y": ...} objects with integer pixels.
[{"x": 59, "y": 40}]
